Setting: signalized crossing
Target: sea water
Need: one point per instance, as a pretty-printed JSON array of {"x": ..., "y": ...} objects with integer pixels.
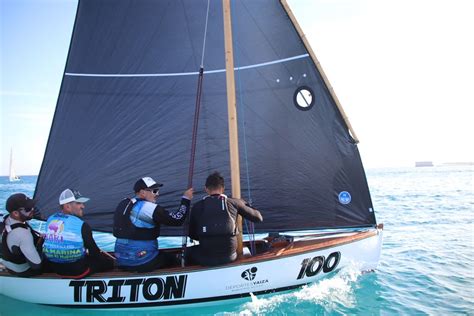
[{"x": 426, "y": 267}]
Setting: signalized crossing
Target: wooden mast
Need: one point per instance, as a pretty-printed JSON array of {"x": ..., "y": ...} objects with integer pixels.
[
  {"x": 232, "y": 116},
  {"x": 318, "y": 66}
]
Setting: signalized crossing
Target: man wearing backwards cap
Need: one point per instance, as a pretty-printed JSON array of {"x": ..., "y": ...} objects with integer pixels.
[
  {"x": 20, "y": 255},
  {"x": 69, "y": 247},
  {"x": 137, "y": 226}
]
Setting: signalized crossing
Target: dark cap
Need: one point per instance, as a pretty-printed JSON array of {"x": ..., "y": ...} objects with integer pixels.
[
  {"x": 146, "y": 183},
  {"x": 18, "y": 201}
]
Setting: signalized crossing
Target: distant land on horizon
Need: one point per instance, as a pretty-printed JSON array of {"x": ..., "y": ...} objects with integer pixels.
[{"x": 428, "y": 163}]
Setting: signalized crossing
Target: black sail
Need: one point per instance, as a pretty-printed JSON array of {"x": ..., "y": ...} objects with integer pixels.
[{"x": 126, "y": 109}]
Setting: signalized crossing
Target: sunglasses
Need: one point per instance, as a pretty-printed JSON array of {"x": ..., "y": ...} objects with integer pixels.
[
  {"x": 25, "y": 211},
  {"x": 154, "y": 191}
]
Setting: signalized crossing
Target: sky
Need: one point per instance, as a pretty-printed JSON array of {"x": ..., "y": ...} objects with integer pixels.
[{"x": 402, "y": 70}]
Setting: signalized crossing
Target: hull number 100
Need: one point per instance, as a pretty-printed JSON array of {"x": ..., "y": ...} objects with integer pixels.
[{"x": 311, "y": 267}]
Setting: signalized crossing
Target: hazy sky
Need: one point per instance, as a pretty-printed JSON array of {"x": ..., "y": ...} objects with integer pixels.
[{"x": 402, "y": 69}]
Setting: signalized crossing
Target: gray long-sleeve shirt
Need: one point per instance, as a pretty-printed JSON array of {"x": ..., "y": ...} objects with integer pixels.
[{"x": 21, "y": 238}]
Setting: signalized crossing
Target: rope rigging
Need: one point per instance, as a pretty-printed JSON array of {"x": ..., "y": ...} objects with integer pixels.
[
  {"x": 194, "y": 136},
  {"x": 248, "y": 225}
]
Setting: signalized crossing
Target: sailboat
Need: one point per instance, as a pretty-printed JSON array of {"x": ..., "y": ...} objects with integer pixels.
[
  {"x": 264, "y": 115},
  {"x": 12, "y": 176}
]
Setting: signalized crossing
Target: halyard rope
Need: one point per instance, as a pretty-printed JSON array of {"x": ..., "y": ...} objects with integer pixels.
[{"x": 194, "y": 137}]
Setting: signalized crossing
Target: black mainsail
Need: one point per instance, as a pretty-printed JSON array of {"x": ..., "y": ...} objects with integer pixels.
[{"x": 126, "y": 106}]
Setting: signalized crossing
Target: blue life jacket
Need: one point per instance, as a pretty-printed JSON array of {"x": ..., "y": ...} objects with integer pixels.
[
  {"x": 131, "y": 252},
  {"x": 63, "y": 241},
  {"x": 136, "y": 232},
  {"x": 128, "y": 225}
]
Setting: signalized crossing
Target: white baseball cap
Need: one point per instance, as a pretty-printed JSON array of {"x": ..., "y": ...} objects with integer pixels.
[{"x": 68, "y": 196}]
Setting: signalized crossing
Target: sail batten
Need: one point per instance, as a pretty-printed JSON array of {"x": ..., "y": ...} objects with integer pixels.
[
  {"x": 117, "y": 75},
  {"x": 126, "y": 109}
]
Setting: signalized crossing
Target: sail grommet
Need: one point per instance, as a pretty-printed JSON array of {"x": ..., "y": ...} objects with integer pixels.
[{"x": 303, "y": 98}]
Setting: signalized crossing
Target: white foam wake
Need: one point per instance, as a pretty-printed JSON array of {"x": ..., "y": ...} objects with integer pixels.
[{"x": 329, "y": 293}]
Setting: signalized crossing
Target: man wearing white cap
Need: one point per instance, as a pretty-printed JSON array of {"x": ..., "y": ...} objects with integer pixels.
[
  {"x": 69, "y": 247},
  {"x": 137, "y": 226}
]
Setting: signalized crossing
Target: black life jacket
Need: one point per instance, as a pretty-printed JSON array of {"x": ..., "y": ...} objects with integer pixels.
[
  {"x": 217, "y": 217},
  {"x": 124, "y": 228},
  {"x": 18, "y": 258}
]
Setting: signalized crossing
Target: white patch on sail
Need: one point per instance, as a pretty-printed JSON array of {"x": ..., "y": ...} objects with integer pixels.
[{"x": 278, "y": 61}]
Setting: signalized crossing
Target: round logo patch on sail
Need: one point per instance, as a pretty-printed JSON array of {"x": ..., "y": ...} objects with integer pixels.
[{"x": 345, "y": 197}]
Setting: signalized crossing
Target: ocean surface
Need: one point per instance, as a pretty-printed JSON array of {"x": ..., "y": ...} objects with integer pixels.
[{"x": 426, "y": 267}]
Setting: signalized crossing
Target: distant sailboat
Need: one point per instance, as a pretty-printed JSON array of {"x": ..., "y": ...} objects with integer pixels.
[{"x": 13, "y": 177}]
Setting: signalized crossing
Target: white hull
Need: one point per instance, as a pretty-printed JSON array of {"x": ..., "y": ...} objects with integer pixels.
[{"x": 196, "y": 284}]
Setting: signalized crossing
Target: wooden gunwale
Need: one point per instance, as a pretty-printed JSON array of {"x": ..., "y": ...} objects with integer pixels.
[{"x": 275, "y": 253}]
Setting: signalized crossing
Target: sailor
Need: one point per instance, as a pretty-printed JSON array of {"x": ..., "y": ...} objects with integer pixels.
[
  {"x": 19, "y": 240},
  {"x": 137, "y": 226},
  {"x": 69, "y": 248},
  {"x": 213, "y": 224}
]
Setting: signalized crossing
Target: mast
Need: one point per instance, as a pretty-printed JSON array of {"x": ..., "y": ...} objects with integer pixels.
[{"x": 232, "y": 116}]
